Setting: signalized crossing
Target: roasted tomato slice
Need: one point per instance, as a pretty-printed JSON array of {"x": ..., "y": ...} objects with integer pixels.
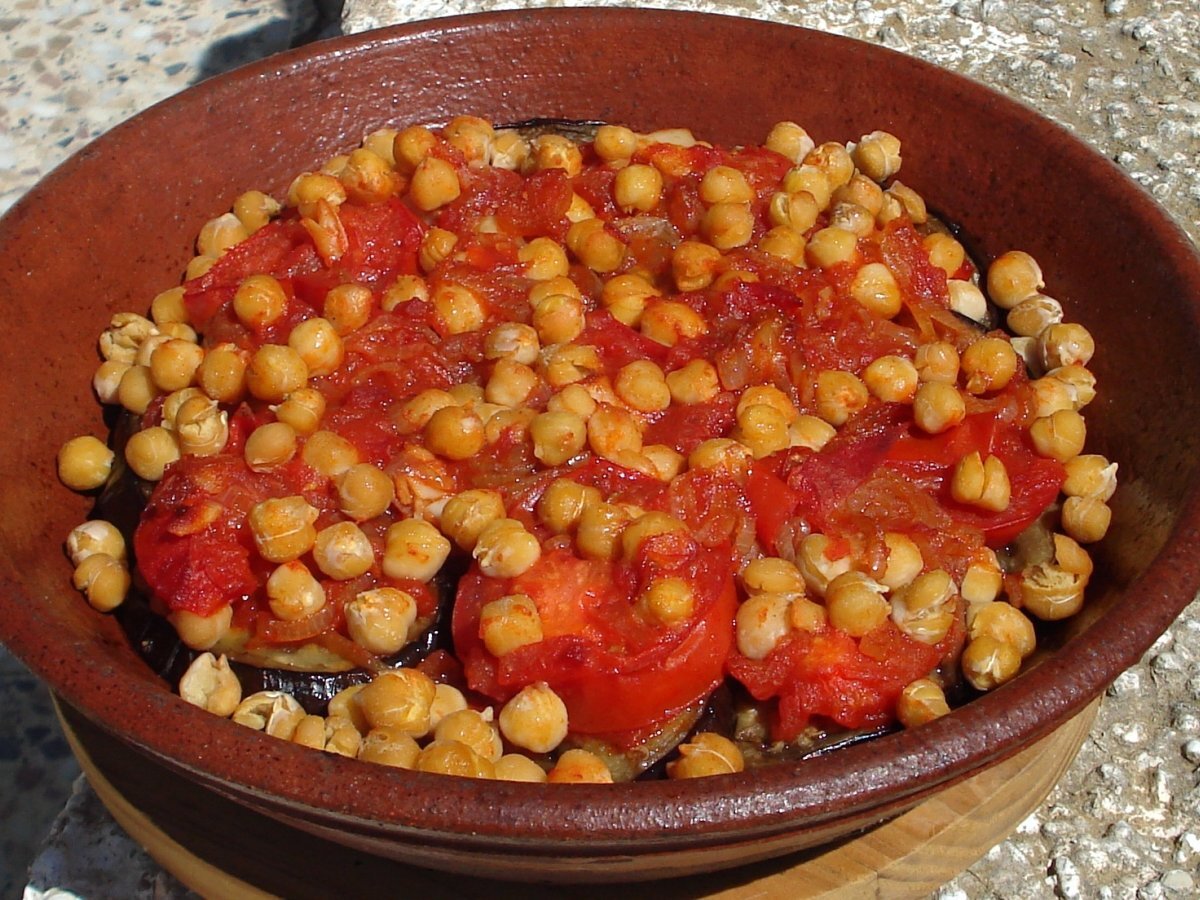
[{"x": 617, "y": 668}]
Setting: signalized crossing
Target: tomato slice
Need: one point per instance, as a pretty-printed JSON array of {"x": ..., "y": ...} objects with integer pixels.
[{"x": 616, "y": 671}]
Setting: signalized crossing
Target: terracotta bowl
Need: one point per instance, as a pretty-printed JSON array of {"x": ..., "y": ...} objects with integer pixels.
[{"x": 115, "y": 224}]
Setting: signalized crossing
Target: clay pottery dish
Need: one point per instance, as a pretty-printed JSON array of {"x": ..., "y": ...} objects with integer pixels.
[{"x": 115, "y": 225}]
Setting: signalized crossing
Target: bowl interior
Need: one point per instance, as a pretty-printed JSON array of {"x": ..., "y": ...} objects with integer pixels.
[{"x": 115, "y": 225}]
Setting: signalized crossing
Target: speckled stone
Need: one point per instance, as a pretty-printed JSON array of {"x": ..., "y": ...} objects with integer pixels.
[{"x": 1124, "y": 75}]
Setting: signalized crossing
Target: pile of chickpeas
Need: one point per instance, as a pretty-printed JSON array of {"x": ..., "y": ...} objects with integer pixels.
[{"x": 541, "y": 381}]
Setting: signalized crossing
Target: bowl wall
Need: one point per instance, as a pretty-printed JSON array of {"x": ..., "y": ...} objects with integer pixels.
[{"x": 115, "y": 225}]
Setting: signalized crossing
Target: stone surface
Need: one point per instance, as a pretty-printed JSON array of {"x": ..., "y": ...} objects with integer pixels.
[{"x": 1124, "y": 75}]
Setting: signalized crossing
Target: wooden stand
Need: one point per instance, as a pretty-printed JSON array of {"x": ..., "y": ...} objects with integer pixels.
[{"x": 221, "y": 849}]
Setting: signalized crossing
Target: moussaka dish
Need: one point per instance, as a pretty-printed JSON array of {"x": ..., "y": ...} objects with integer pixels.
[{"x": 585, "y": 454}]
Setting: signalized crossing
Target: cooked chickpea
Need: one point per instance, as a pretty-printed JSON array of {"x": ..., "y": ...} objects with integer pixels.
[
  {"x": 557, "y": 437},
  {"x": 938, "y": 407},
  {"x": 434, "y": 184},
  {"x": 511, "y": 383},
  {"x": 667, "y": 601},
  {"x": 329, "y": 453},
  {"x": 414, "y": 549},
  {"x": 273, "y": 712},
  {"x": 924, "y": 608},
  {"x": 475, "y": 729},
  {"x": 579, "y": 767},
  {"x": 982, "y": 581},
  {"x": 816, "y": 566},
  {"x": 342, "y": 551},
  {"x": 728, "y": 225},
  {"x": 454, "y": 433},
  {"x": 92, "y": 537},
  {"x": 912, "y": 203},
  {"x": 706, "y": 753},
  {"x": 811, "y": 432},
  {"x": 390, "y": 747},
  {"x": 269, "y": 446},
  {"x": 1059, "y": 436},
  {"x": 967, "y": 300},
  {"x": 945, "y": 252},
  {"x": 459, "y": 309},
  {"x": 784, "y": 242},
  {"x": 255, "y": 209},
  {"x": 514, "y": 341},
  {"x": 563, "y": 502},
  {"x": 981, "y": 481},
  {"x": 989, "y": 365},
  {"x": 174, "y": 362},
  {"x": 1065, "y": 344},
  {"x": 201, "y": 427},
  {"x": 693, "y": 383},
  {"x": 379, "y": 620},
  {"x": 761, "y": 623},
  {"x": 201, "y": 632},
  {"x": 1086, "y": 519},
  {"x": 398, "y": 699},
  {"x": 937, "y": 361},
  {"x": 904, "y": 560},
  {"x": 790, "y": 140},
  {"x": 274, "y": 372},
  {"x": 554, "y": 151},
  {"x": 851, "y": 217},
  {"x": 411, "y": 146},
  {"x": 772, "y": 574},
  {"x": 611, "y": 430},
  {"x": 544, "y": 259},
  {"x": 877, "y": 155},
  {"x": 84, "y": 463},
  {"x": 667, "y": 322},
  {"x": 614, "y": 142},
  {"x": 210, "y": 684},
  {"x": 509, "y": 623},
  {"x": 694, "y": 265},
  {"x": 558, "y": 318},
  {"x": 1090, "y": 475},
  {"x": 893, "y": 379},
  {"x": 516, "y": 767},
  {"x": 638, "y": 188},
  {"x": 505, "y": 549},
  {"x": 722, "y": 454},
  {"x": 763, "y": 428},
  {"x": 137, "y": 389},
  {"x": 1005, "y": 623},
  {"x": 293, "y": 593},
  {"x": 856, "y": 604},
  {"x": 642, "y": 386},
  {"x": 1079, "y": 381},
  {"x": 988, "y": 663},
  {"x": 1012, "y": 277},
  {"x": 599, "y": 528},
  {"x": 839, "y": 396},
  {"x": 594, "y": 246},
  {"x": 222, "y": 373},
  {"x": 309, "y": 189},
  {"x": 875, "y": 288},
  {"x": 103, "y": 580},
  {"x": 149, "y": 451},
  {"x": 1034, "y": 315},
  {"x": 259, "y": 301},
  {"x": 830, "y": 247},
  {"x": 834, "y": 160},
  {"x": 465, "y": 515},
  {"x": 920, "y": 702},
  {"x": 625, "y": 297}
]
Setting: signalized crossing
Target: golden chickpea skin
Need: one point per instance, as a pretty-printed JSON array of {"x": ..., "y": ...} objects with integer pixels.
[
  {"x": 274, "y": 372},
  {"x": 255, "y": 209},
  {"x": 475, "y": 729},
  {"x": 920, "y": 702},
  {"x": 563, "y": 502},
  {"x": 938, "y": 407},
  {"x": 772, "y": 575},
  {"x": 1005, "y": 623},
  {"x": 982, "y": 482},
  {"x": 283, "y": 528},
  {"x": 728, "y": 225},
  {"x": 389, "y": 747},
  {"x": 1065, "y": 344},
  {"x": 988, "y": 663},
  {"x": 553, "y": 151},
  {"x": 612, "y": 429},
  {"x": 1059, "y": 436},
  {"x": 303, "y": 410},
  {"x": 982, "y": 581},
  {"x": 784, "y": 242},
  {"x": 967, "y": 300},
  {"x": 364, "y": 491},
  {"x": 416, "y": 412},
  {"x": 505, "y": 549},
  {"x": 379, "y": 620},
  {"x": 472, "y": 136},
  {"x": 434, "y": 184},
  {"x": 876, "y": 290},
  {"x": 924, "y": 608},
  {"x": 198, "y": 266},
  {"x": 103, "y": 580},
  {"x": 762, "y": 428},
  {"x": 638, "y": 188},
  {"x": 514, "y": 341},
  {"x": 201, "y": 427},
  {"x": 106, "y": 382},
  {"x": 646, "y": 526},
  {"x": 454, "y": 433},
  {"x": 1012, "y": 277},
  {"x": 219, "y": 234},
  {"x": 705, "y": 754},
  {"x": 839, "y": 396},
  {"x": 989, "y": 365},
  {"x": 84, "y": 463},
  {"x": 797, "y": 210},
  {"x": 694, "y": 265},
  {"x": 861, "y": 191},
  {"x": 269, "y": 446},
  {"x": 937, "y": 361},
  {"x": 459, "y": 309},
  {"x": 329, "y": 453},
  {"x": 790, "y": 140},
  {"x": 893, "y": 379},
  {"x": 877, "y": 155},
  {"x": 137, "y": 389},
  {"x": 599, "y": 530},
  {"x": 856, "y": 604},
  {"x": 410, "y": 146},
  {"x": 642, "y": 386},
  {"x": 904, "y": 561},
  {"x": 725, "y": 184},
  {"x": 851, "y": 217},
  {"x": 367, "y": 177},
  {"x": 201, "y": 632},
  {"x": 944, "y": 252},
  {"x": 625, "y": 297},
  {"x": 404, "y": 289},
  {"x": 510, "y": 383},
  {"x": 466, "y": 514},
  {"x": 210, "y": 684},
  {"x": 579, "y": 767},
  {"x": 544, "y": 259},
  {"x": 830, "y": 247},
  {"x": 811, "y": 432},
  {"x": 259, "y": 301},
  {"x": 517, "y": 767},
  {"x": 310, "y": 732},
  {"x": 595, "y": 247},
  {"x": 558, "y": 318},
  {"x": 1090, "y": 475},
  {"x": 92, "y": 537},
  {"x": 761, "y": 623},
  {"x": 173, "y": 364},
  {"x": 834, "y": 160},
  {"x": 508, "y": 624},
  {"x": 309, "y": 189},
  {"x": 614, "y": 142},
  {"x": 293, "y": 593},
  {"x": 1086, "y": 519},
  {"x": 535, "y": 719},
  {"x": 695, "y": 382},
  {"x": 557, "y": 437},
  {"x": 815, "y": 565},
  {"x": 414, "y": 549},
  {"x": 347, "y": 307},
  {"x": 667, "y": 322},
  {"x": 912, "y": 203},
  {"x": 342, "y": 551},
  {"x": 807, "y": 615},
  {"x": 722, "y": 454},
  {"x": 222, "y": 373},
  {"x": 399, "y": 699}
]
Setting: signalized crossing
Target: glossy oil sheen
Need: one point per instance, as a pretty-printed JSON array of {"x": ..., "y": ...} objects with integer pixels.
[{"x": 115, "y": 225}]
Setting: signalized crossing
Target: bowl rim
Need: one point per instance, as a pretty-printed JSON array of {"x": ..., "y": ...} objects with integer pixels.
[{"x": 591, "y": 819}]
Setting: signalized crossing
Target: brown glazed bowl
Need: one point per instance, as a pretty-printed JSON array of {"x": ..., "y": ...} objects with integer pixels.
[{"x": 115, "y": 225}]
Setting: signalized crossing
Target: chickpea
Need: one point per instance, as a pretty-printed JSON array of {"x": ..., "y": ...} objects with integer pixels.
[
  {"x": 642, "y": 386},
  {"x": 471, "y": 135},
  {"x": 638, "y": 188},
  {"x": 563, "y": 502},
  {"x": 410, "y": 146},
  {"x": 259, "y": 301},
  {"x": 981, "y": 481},
  {"x": 434, "y": 184},
  {"x": 722, "y": 454},
  {"x": 877, "y": 155},
  {"x": 474, "y": 729},
  {"x": 669, "y": 321},
  {"x": 514, "y": 341},
  {"x": 414, "y": 549},
  {"x": 790, "y": 140},
  {"x": 945, "y": 252},
  {"x": 557, "y": 437},
  {"x": 565, "y": 364},
  {"x": 398, "y": 699},
  {"x": 553, "y": 151},
  {"x": 1086, "y": 519},
  {"x": 937, "y": 361},
  {"x": 272, "y": 712},
  {"x": 446, "y": 699},
  {"x": 988, "y": 663},
  {"x": 982, "y": 581},
  {"x": 830, "y": 247},
  {"x": 614, "y": 142},
  {"x": 763, "y": 429},
  {"x": 875, "y": 288},
  {"x": 390, "y": 747},
  {"x": 856, "y": 604},
  {"x": 599, "y": 529},
  {"x": 515, "y": 767},
  {"x": 92, "y": 537},
  {"x": 784, "y": 242},
  {"x": 761, "y": 623},
  {"x": 706, "y": 753},
  {"x": 815, "y": 565},
  {"x": 1005, "y": 623},
  {"x": 694, "y": 265},
  {"x": 1059, "y": 436},
  {"x": 920, "y": 702},
  {"x": 103, "y": 580},
  {"x": 150, "y": 451},
  {"x": 772, "y": 574},
  {"x": 834, "y": 160},
  {"x": 594, "y": 246},
  {"x": 1090, "y": 475},
  {"x": 967, "y": 300},
  {"x": 274, "y": 372},
  {"x": 342, "y": 551},
  {"x": 904, "y": 561},
  {"x": 728, "y": 225},
  {"x": 454, "y": 433},
  {"x": 938, "y": 407},
  {"x": 893, "y": 379},
  {"x": 558, "y": 318},
  {"x": 1034, "y": 315},
  {"x": 989, "y": 365},
  {"x": 508, "y": 624},
  {"x": 839, "y": 396},
  {"x": 222, "y": 373},
  {"x": 694, "y": 383},
  {"x": 84, "y": 463},
  {"x": 579, "y": 767},
  {"x": 912, "y": 203},
  {"x": 465, "y": 515},
  {"x": 505, "y": 549},
  {"x": 329, "y": 453},
  {"x": 1012, "y": 277},
  {"x": 811, "y": 432},
  {"x": 210, "y": 684},
  {"x": 509, "y": 151},
  {"x": 106, "y": 382},
  {"x": 924, "y": 608}
]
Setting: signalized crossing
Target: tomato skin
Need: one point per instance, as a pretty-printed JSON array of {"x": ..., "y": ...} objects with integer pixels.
[
  {"x": 614, "y": 675},
  {"x": 773, "y": 501}
]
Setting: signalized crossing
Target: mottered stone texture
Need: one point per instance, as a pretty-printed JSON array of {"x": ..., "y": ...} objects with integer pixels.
[{"x": 1123, "y": 75}]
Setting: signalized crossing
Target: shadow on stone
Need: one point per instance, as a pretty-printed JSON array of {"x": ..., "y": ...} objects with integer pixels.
[{"x": 304, "y": 21}]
